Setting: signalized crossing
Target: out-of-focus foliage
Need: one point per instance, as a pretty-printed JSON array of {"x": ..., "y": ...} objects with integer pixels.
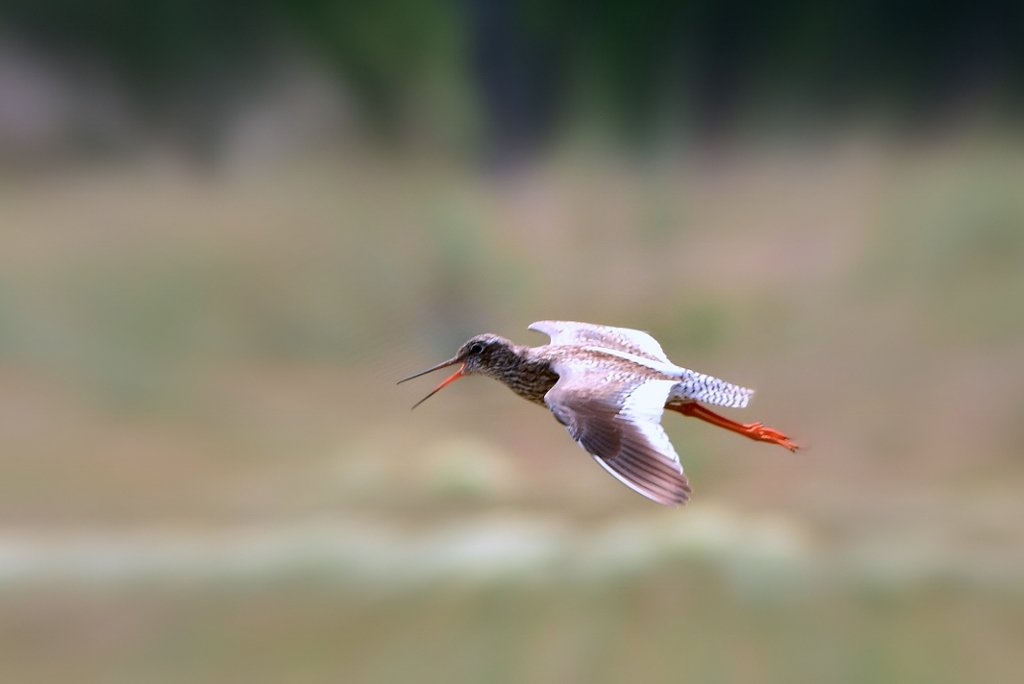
[
  {"x": 208, "y": 474},
  {"x": 535, "y": 67}
]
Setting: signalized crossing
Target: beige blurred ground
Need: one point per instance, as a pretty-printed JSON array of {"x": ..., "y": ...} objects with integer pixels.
[{"x": 209, "y": 475}]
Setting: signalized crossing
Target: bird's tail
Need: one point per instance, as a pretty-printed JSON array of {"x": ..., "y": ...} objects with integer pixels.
[{"x": 696, "y": 386}]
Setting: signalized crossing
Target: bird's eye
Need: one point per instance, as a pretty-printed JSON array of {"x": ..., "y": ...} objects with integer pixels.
[{"x": 476, "y": 348}]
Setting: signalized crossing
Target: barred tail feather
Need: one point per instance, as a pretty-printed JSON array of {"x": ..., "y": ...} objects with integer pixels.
[{"x": 699, "y": 387}]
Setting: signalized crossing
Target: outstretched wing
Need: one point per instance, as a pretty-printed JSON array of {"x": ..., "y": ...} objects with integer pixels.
[
  {"x": 620, "y": 426},
  {"x": 627, "y": 340},
  {"x": 692, "y": 385}
]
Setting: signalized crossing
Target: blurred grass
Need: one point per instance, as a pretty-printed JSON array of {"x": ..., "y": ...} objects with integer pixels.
[
  {"x": 678, "y": 620},
  {"x": 208, "y": 353}
]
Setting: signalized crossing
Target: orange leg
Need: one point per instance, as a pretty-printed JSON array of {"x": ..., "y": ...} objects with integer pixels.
[{"x": 755, "y": 431}]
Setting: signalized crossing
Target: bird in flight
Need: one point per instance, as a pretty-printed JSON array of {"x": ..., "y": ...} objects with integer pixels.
[{"x": 608, "y": 387}]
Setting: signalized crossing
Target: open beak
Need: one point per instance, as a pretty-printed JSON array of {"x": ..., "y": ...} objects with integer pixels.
[{"x": 444, "y": 364}]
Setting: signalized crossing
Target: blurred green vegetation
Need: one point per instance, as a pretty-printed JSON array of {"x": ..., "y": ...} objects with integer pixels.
[
  {"x": 195, "y": 367},
  {"x": 207, "y": 472},
  {"x": 517, "y": 72},
  {"x": 678, "y": 620}
]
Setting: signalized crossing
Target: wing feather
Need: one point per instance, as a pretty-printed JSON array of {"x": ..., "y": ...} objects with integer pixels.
[
  {"x": 629, "y": 344},
  {"x": 628, "y": 442},
  {"x": 622, "y": 339}
]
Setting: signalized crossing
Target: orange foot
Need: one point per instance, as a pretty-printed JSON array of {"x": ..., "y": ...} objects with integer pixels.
[
  {"x": 759, "y": 432},
  {"x": 755, "y": 431}
]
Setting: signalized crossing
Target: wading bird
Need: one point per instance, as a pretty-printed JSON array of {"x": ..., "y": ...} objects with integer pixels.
[{"x": 608, "y": 387}]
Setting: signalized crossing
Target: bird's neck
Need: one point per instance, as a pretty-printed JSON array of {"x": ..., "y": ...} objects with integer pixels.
[{"x": 523, "y": 372}]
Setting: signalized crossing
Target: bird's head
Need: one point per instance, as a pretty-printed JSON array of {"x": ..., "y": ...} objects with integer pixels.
[{"x": 478, "y": 355}]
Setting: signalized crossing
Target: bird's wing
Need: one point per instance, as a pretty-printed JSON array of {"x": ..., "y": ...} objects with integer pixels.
[
  {"x": 629, "y": 442},
  {"x": 627, "y": 340}
]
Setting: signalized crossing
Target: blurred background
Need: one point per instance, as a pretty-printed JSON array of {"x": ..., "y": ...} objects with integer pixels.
[{"x": 227, "y": 229}]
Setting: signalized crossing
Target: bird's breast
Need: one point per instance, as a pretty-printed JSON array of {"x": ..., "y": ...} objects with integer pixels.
[{"x": 533, "y": 382}]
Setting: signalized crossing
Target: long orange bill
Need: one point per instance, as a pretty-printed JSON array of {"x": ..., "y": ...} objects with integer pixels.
[{"x": 455, "y": 376}]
